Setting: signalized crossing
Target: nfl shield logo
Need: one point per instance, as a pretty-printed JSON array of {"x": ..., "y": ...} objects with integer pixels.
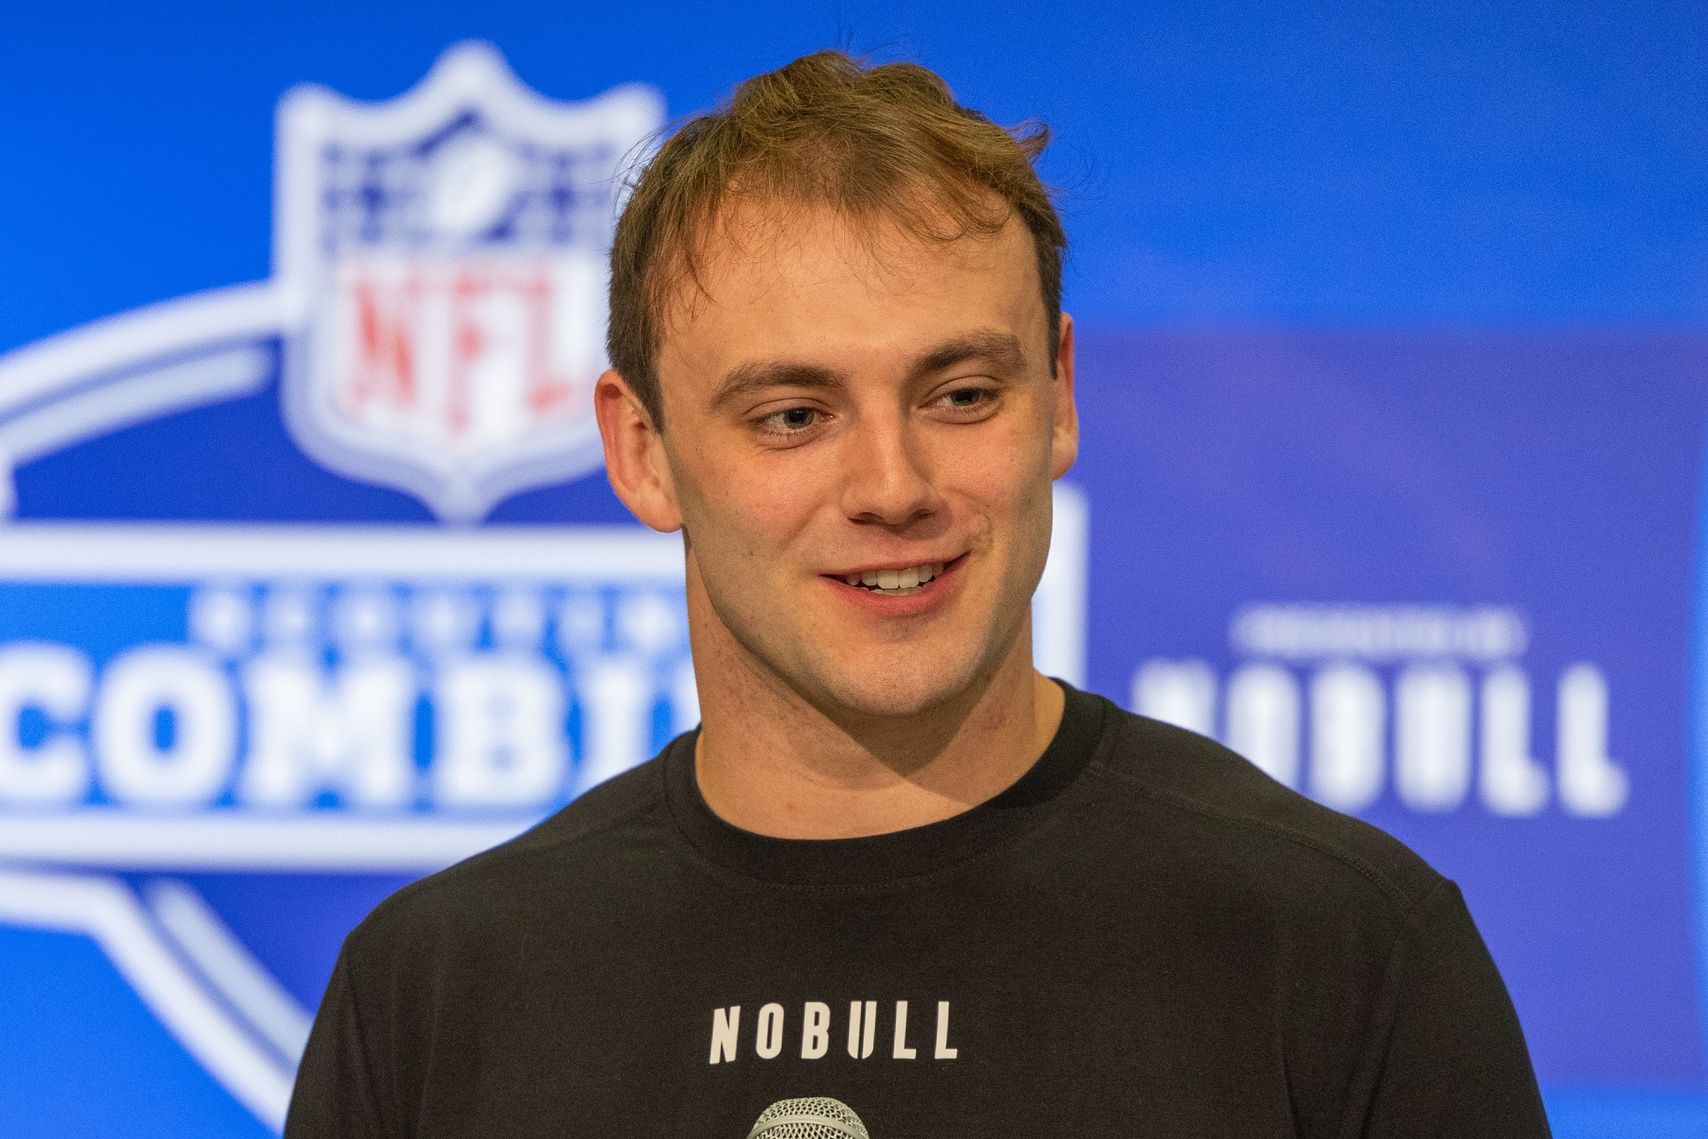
[{"x": 445, "y": 257}]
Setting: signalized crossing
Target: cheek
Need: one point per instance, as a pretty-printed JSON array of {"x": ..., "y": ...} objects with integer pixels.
[
  {"x": 1008, "y": 485},
  {"x": 742, "y": 510},
  {"x": 1002, "y": 469}
]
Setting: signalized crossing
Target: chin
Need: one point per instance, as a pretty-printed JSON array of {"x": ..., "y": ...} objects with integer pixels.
[{"x": 900, "y": 693}]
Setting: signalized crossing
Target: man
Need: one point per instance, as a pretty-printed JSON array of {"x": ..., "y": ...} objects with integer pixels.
[{"x": 896, "y": 866}]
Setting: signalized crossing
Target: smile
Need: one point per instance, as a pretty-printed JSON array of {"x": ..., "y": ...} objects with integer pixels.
[{"x": 896, "y": 582}]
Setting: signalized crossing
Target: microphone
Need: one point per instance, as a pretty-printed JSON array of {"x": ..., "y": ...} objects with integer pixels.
[{"x": 817, "y": 1117}]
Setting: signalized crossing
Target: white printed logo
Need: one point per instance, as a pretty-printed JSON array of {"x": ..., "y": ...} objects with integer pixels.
[
  {"x": 448, "y": 248},
  {"x": 438, "y": 309},
  {"x": 1433, "y": 704},
  {"x": 439, "y": 296}
]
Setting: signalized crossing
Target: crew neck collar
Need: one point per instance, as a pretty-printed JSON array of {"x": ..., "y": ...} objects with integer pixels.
[{"x": 876, "y": 859}]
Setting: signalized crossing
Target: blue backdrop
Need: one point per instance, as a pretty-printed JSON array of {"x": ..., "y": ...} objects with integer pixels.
[{"x": 1393, "y": 331}]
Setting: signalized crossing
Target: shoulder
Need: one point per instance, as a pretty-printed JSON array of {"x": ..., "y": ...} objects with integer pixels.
[
  {"x": 1209, "y": 803},
  {"x": 561, "y": 859}
]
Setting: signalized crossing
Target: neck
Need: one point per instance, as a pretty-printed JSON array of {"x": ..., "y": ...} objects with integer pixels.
[{"x": 771, "y": 761}]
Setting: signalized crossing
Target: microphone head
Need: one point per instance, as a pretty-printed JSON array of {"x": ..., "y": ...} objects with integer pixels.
[{"x": 816, "y": 1117}]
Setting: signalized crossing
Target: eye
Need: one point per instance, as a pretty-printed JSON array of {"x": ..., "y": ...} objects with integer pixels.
[
  {"x": 967, "y": 402},
  {"x": 790, "y": 420}
]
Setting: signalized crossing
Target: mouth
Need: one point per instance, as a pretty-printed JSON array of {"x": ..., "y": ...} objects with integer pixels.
[{"x": 897, "y": 581}]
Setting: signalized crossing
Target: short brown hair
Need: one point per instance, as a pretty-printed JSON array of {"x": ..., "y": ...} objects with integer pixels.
[{"x": 886, "y": 141}]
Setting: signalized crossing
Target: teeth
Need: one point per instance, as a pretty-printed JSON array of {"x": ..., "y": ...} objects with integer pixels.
[{"x": 910, "y": 578}]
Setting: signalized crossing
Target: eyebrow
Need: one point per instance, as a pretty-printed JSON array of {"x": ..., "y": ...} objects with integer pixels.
[
  {"x": 1001, "y": 349},
  {"x": 747, "y": 379}
]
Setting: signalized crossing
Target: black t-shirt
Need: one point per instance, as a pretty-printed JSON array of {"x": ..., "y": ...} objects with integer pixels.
[{"x": 1144, "y": 936}]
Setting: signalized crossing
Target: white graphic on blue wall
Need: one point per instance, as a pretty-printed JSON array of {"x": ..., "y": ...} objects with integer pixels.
[{"x": 180, "y": 699}]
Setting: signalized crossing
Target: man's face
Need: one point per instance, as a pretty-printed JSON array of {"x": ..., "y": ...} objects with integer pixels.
[{"x": 860, "y": 437}]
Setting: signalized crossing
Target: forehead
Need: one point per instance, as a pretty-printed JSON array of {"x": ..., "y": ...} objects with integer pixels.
[{"x": 783, "y": 279}]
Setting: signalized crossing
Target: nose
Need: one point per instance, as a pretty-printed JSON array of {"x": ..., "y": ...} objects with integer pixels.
[{"x": 887, "y": 479}]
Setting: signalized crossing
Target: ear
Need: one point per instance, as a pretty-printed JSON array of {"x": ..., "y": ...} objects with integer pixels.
[
  {"x": 635, "y": 461},
  {"x": 1064, "y": 435}
]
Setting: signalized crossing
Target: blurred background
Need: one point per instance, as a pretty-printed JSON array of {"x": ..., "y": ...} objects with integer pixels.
[{"x": 1393, "y": 329}]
